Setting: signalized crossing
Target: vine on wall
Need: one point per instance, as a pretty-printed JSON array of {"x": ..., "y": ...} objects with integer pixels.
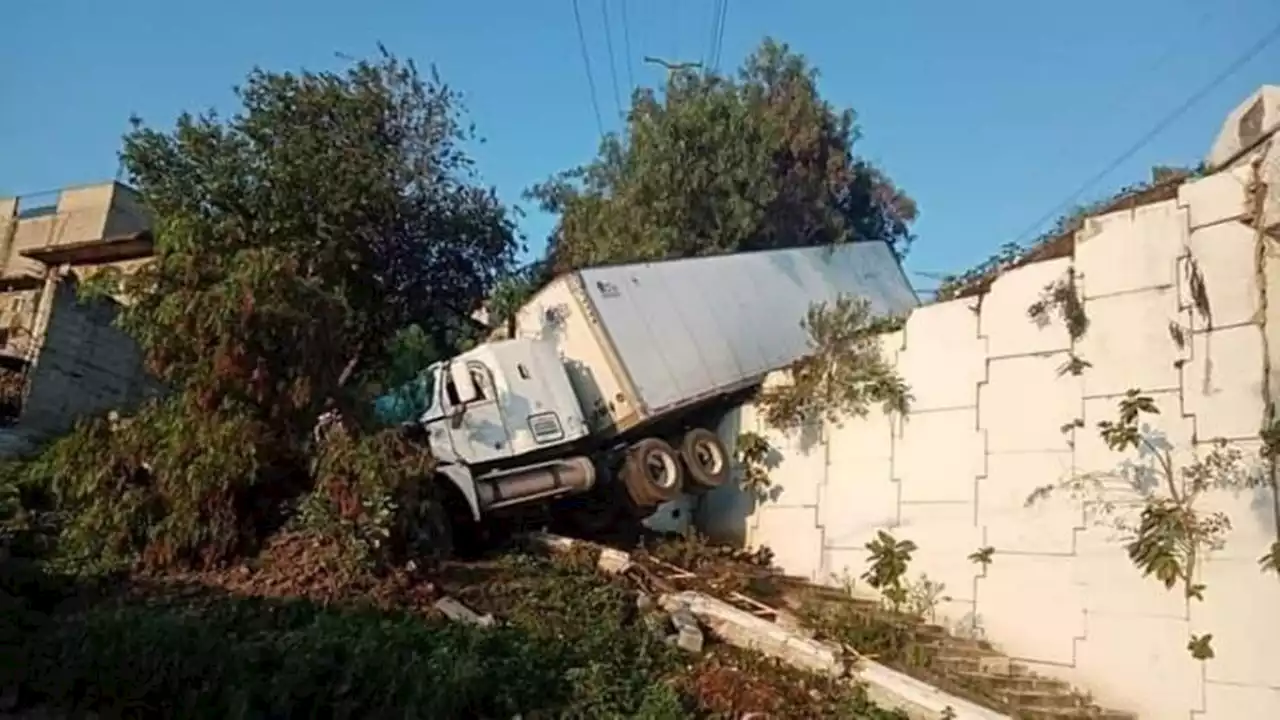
[{"x": 1061, "y": 298}]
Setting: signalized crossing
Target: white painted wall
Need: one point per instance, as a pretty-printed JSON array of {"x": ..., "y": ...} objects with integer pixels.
[{"x": 985, "y": 431}]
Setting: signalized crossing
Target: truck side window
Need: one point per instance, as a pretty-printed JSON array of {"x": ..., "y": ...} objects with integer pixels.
[
  {"x": 479, "y": 378},
  {"x": 483, "y": 382},
  {"x": 451, "y": 392}
]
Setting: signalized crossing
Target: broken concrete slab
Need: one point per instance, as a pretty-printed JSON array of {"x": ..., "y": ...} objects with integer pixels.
[
  {"x": 690, "y": 640},
  {"x": 553, "y": 543},
  {"x": 885, "y": 687},
  {"x": 613, "y": 562},
  {"x": 742, "y": 629},
  {"x": 688, "y": 635},
  {"x": 455, "y": 610}
]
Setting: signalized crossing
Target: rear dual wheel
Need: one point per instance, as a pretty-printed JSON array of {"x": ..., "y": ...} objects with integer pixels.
[
  {"x": 705, "y": 458},
  {"x": 652, "y": 472}
]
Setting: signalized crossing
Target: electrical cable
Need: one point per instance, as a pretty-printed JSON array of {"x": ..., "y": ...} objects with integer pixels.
[
  {"x": 705, "y": 60},
  {"x": 719, "y": 41},
  {"x": 586, "y": 61},
  {"x": 626, "y": 46},
  {"x": 608, "y": 42},
  {"x": 1253, "y": 51}
]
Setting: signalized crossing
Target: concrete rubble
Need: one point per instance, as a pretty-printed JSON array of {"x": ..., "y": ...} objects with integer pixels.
[
  {"x": 613, "y": 562},
  {"x": 456, "y": 611},
  {"x": 751, "y": 632},
  {"x": 885, "y": 686},
  {"x": 691, "y": 614},
  {"x": 688, "y": 635}
]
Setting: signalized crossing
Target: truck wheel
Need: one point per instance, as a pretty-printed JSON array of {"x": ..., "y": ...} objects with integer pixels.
[
  {"x": 652, "y": 472},
  {"x": 435, "y": 530},
  {"x": 705, "y": 457}
]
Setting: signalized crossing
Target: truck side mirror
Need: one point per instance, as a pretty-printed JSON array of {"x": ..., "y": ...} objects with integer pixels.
[
  {"x": 456, "y": 415},
  {"x": 463, "y": 385}
]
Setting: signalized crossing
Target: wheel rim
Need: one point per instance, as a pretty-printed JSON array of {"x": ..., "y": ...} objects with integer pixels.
[
  {"x": 708, "y": 456},
  {"x": 660, "y": 469}
]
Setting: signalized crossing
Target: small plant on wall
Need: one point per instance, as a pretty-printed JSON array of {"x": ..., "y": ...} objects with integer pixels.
[
  {"x": 755, "y": 456},
  {"x": 887, "y": 567},
  {"x": 982, "y": 556},
  {"x": 844, "y": 373},
  {"x": 1270, "y": 436},
  {"x": 1062, "y": 298},
  {"x": 1166, "y": 534}
]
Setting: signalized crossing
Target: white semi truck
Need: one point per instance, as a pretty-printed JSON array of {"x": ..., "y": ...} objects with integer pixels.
[{"x": 610, "y": 392}]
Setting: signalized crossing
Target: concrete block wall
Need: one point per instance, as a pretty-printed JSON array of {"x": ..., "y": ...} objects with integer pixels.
[
  {"x": 986, "y": 429},
  {"x": 86, "y": 365}
]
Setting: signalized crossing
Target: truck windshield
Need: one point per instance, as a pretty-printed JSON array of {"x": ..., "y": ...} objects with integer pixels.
[{"x": 408, "y": 402}]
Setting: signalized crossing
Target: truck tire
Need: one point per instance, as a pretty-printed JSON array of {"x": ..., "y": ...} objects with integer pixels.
[
  {"x": 652, "y": 473},
  {"x": 706, "y": 458},
  {"x": 435, "y": 530}
]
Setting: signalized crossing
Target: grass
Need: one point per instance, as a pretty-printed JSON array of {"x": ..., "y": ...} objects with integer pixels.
[{"x": 572, "y": 644}]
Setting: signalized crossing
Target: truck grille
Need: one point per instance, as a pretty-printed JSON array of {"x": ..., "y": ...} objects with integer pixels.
[{"x": 545, "y": 427}]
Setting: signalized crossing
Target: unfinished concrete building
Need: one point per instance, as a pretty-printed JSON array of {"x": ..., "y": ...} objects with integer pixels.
[{"x": 60, "y": 358}]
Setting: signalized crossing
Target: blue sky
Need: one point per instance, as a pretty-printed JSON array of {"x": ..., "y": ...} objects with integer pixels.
[{"x": 988, "y": 112}]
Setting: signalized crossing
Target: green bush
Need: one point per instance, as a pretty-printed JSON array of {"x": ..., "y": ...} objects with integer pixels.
[
  {"x": 178, "y": 486},
  {"x": 571, "y": 647},
  {"x": 241, "y": 658},
  {"x": 372, "y": 492}
]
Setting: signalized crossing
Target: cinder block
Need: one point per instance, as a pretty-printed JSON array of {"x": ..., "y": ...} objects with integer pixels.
[
  {"x": 939, "y": 455},
  {"x": 1004, "y": 319},
  {"x": 1131, "y": 250},
  {"x": 945, "y": 330},
  {"x": 1025, "y": 403},
  {"x": 1128, "y": 343},
  {"x": 1216, "y": 198},
  {"x": 1243, "y": 623},
  {"x": 1140, "y": 663},
  {"x": 1224, "y": 256}
]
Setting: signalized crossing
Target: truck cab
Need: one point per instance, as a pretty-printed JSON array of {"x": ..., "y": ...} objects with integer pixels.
[{"x": 497, "y": 402}]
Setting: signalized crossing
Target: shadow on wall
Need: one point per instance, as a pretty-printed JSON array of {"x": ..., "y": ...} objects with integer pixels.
[{"x": 723, "y": 513}]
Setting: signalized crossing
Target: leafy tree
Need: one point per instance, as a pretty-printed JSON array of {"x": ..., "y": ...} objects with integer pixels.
[
  {"x": 514, "y": 290},
  {"x": 718, "y": 164},
  {"x": 293, "y": 239}
]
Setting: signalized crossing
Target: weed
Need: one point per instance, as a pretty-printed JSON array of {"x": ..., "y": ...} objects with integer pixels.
[
  {"x": 755, "y": 458},
  {"x": 844, "y": 373},
  {"x": 1166, "y": 535},
  {"x": 887, "y": 567}
]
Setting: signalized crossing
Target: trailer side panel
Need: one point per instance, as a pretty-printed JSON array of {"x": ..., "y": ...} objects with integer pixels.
[
  {"x": 561, "y": 315},
  {"x": 690, "y": 329}
]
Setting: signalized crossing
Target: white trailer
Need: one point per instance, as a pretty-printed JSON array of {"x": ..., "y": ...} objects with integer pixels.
[
  {"x": 643, "y": 340},
  {"x": 621, "y": 373}
]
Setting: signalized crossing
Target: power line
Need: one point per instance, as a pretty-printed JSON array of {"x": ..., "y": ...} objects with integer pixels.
[
  {"x": 586, "y": 61},
  {"x": 1269, "y": 37},
  {"x": 718, "y": 45},
  {"x": 608, "y": 41},
  {"x": 1128, "y": 91},
  {"x": 626, "y": 45},
  {"x": 711, "y": 43}
]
